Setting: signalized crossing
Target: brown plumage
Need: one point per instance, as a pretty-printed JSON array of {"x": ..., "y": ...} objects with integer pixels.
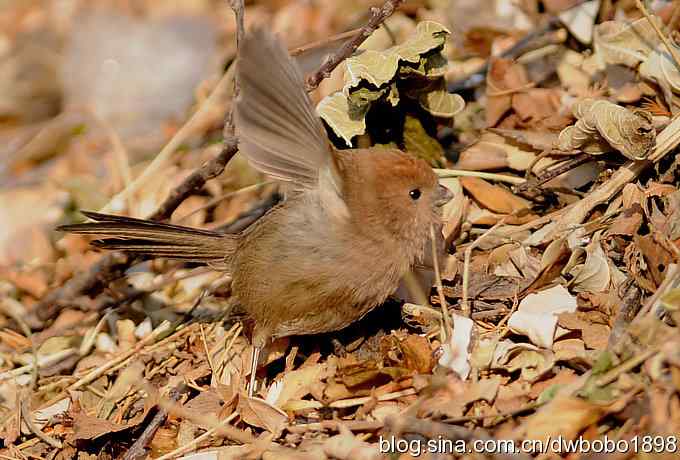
[{"x": 352, "y": 224}]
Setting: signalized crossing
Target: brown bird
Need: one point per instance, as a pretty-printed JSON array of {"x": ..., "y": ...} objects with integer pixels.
[{"x": 352, "y": 223}]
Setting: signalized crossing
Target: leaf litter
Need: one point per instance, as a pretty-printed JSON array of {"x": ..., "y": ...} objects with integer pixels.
[{"x": 561, "y": 279}]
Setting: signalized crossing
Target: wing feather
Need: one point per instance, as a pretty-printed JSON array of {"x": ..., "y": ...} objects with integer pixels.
[{"x": 278, "y": 128}]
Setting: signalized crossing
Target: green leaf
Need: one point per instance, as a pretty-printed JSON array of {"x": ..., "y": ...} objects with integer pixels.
[
  {"x": 377, "y": 68},
  {"x": 432, "y": 66},
  {"x": 344, "y": 119},
  {"x": 441, "y": 103},
  {"x": 421, "y": 144}
]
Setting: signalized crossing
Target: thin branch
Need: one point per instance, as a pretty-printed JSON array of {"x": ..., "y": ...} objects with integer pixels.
[
  {"x": 378, "y": 16},
  {"x": 466, "y": 265},
  {"x": 323, "y": 42},
  {"x": 669, "y": 46},
  {"x": 448, "y": 327},
  {"x": 444, "y": 173},
  {"x": 562, "y": 168},
  {"x": 138, "y": 449}
]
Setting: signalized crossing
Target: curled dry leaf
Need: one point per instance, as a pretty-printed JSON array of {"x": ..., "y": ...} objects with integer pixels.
[
  {"x": 619, "y": 42},
  {"x": 295, "y": 385},
  {"x": 536, "y": 316},
  {"x": 453, "y": 212},
  {"x": 565, "y": 416},
  {"x": 580, "y": 20},
  {"x": 503, "y": 80},
  {"x": 661, "y": 68},
  {"x": 257, "y": 412},
  {"x": 413, "y": 69},
  {"x": 593, "y": 274},
  {"x": 602, "y": 126},
  {"x": 456, "y": 355},
  {"x": 594, "y": 335},
  {"x": 531, "y": 361}
]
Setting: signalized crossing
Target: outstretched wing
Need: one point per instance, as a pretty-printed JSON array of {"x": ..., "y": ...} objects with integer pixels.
[{"x": 278, "y": 129}]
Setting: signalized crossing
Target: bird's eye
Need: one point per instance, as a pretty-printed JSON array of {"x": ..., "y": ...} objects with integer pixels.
[{"x": 414, "y": 194}]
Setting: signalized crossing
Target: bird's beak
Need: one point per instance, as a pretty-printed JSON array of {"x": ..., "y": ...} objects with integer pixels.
[{"x": 444, "y": 195}]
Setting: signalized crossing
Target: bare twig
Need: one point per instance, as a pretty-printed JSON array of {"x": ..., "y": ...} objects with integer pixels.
[
  {"x": 444, "y": 173},
  {"x": 448, "y": 327},
  {"x": 37, "y": 431},
  {"x": 626, "y": 366},
  {"x": 323, "y": 42},
  {"x": 138, "y": 449},
  {"x": 239, "y": 11},
  {"x": 196, "y": 180},
  {"x": 466, "y": 265},
  {"x": 111, "y": 266},
  {"x": 560, "y": 169},
  {"x": 378, "y": 16},
  {"x": 165, "y": 154},
  {"x": 666, "y": 141},
  {"x": 671, "y": 49}
]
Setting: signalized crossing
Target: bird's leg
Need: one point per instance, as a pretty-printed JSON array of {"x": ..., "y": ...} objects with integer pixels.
[{"x": 253, "y": 370}]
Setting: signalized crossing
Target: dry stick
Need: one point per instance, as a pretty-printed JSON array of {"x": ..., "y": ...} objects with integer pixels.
[
  {"x": 378, "y": 16},
  {"x": 109, "y": 267},
  {"x": 444, "y": 173},
  {"x": 652, "y": 306},
  {"x": 25, "y": 413},
  {"x": 98, "y": 372},
  {"x": 323, "y": 42},
  {"x": 675, "y": 18},
  {"x": 626, "y": 366},
  {"x": 138, "y": 449},
  {"x": 556, "y": 171},
  {"x": 666, "y": 141},
  {"x": 448, "y": 327},
  {"x": 219, "y": 199},
  {"x": 182, "y": 449},
  {"x": 466, "y": 265},
  {"x": 671, "y": 49}
]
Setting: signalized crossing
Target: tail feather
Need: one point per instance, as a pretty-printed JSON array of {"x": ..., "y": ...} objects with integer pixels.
[{"x": 162, "y": 240}]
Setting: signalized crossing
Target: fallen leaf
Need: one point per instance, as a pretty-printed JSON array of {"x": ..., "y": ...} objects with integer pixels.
[
  {"x": 565, "y": 416},
  {"x": 536, "y": 316},
  {"x": 257, "y": 412},
  {"x": 493, "y": 197},
  {"x": 455, "y": 354}
]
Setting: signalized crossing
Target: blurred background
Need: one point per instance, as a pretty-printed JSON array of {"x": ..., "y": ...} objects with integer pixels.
[{"x": 90, "y": 91}]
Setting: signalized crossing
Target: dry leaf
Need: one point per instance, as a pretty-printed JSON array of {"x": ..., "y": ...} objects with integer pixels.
[
  {"x": 503, "y": 79},
  {"x": 492, "y": 152},
  {"x": 456, "y": 355},
  {"x": 493, "y": 197},
  {"x": 530, "y": 360},
  {"x": 580, "y": 20},
  {"x": 536, "y": 316},
  {"x": 294, "y": 385},
  {"x": 618, "y": 42},
  {"x": 602, "y": 124},
  {"x": 257, "y": 412},
  {"x": 593, "y": 274},
  {"x": 565, "y": 416}
]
